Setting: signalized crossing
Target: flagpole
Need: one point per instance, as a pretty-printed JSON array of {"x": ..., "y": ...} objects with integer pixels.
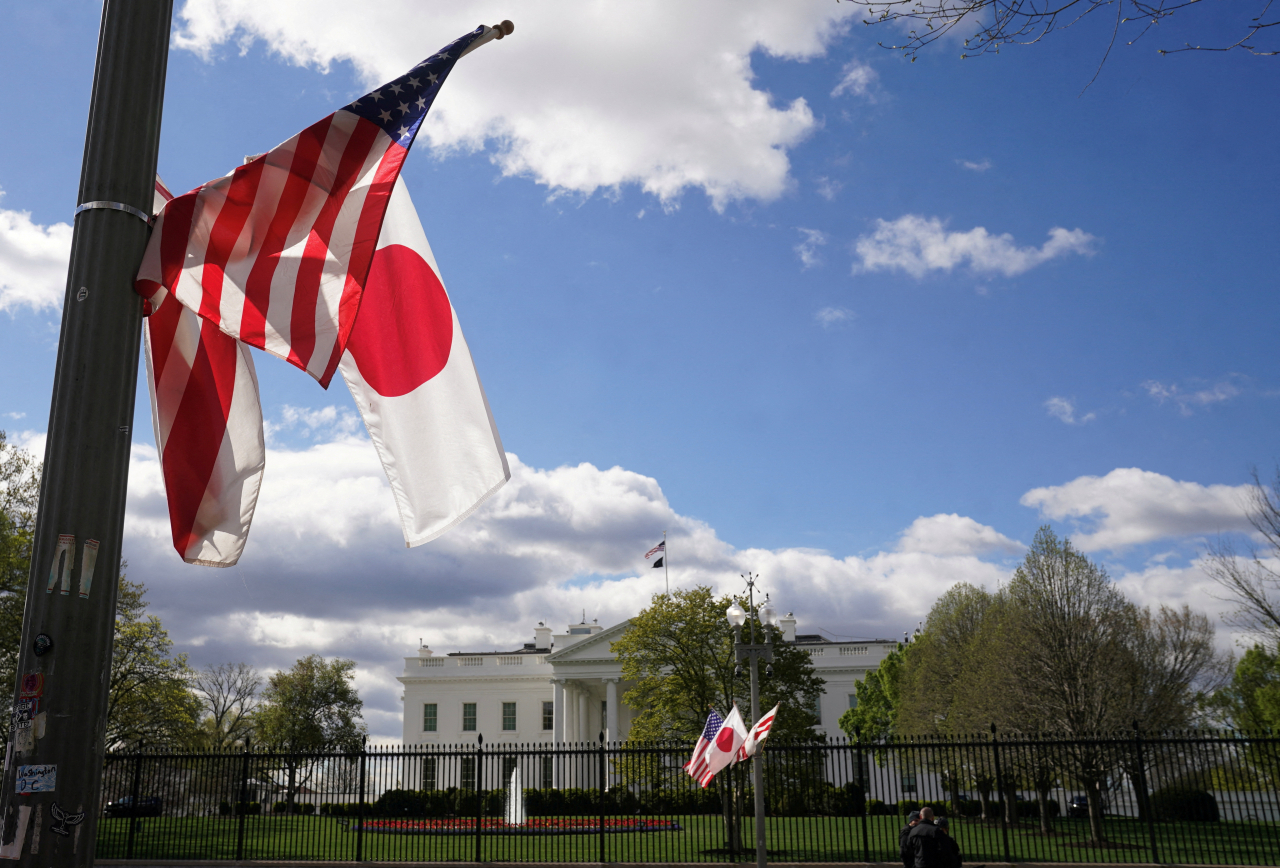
[
  {"x": 666, "y": 559},
  {"x": 64, "y": 660}
]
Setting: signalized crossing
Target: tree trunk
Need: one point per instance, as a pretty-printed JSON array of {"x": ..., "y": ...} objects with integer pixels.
[
  {"x": 1011, "y": 804},
  {"x": 1095, "y": 813},
  {"x": 293, "y": 785},
  {"x": 1046, "y": 822}
]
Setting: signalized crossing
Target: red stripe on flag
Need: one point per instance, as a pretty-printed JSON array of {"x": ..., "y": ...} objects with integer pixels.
[
  {"x": 226, "y": 230},
  {"x": 302, "y": 169},
  {"x": 197, "y": 432},
  {"x": 163, "y": 325},
  {"x": 302, "y": 322},
  {"x": 175, "y": 229},
  {"x": 363, "y": 246}
]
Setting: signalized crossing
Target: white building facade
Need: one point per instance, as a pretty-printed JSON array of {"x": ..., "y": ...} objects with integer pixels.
[{"x": 568, "y": 687}]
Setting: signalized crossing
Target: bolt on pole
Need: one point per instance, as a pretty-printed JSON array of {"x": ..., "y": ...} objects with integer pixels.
[{"x": 50, "y": 800}]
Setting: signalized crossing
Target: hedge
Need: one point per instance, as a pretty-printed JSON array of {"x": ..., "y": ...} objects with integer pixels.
[{"x": 1184, "y": 804}]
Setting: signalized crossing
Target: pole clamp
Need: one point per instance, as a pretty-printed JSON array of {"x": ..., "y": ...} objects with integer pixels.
[{"x": 116, "y": 206}]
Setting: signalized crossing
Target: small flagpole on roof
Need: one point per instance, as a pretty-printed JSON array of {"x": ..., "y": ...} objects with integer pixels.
[{"x": 666, "y": 558}]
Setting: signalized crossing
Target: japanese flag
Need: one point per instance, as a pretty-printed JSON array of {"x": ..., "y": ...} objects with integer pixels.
[
  {"x": 723, "y": 750},
  {"x": 411, "y": 374}
]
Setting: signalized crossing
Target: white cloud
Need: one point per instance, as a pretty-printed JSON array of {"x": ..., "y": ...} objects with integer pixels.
[
  {"x": 662, "y": 97},
  {"x": 975, "y": 167},
  {"x": 326, "y": 571},
  {"x": 1065, "y": 409},
  {"x": 327, "y": 422},
  {"x": 955, "y": 535},
  {"x": 1188, "y": 401},
  {"x": 828, "y": 187},
  {"x": 857, "y": 79},
  {"x": 830, "y": 317},
  {"x": 15, "y": 416},
  {"x": 33, "y": 261},
  {"x": 916, "y": 245},
  {"x": 1130, "y": 507},
  {"x": 807, "y": 249}
]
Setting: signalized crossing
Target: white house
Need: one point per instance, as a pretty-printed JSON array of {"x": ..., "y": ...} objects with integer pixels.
[{"x": 568, "y": 687}]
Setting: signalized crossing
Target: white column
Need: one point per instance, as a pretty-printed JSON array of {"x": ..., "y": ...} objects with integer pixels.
[
  {"x": 611, "y": 708},
  {"x": 582, "y": 715},
  {"x": 558, "y": 709}
]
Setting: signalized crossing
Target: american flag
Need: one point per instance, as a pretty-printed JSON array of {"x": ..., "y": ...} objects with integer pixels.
[
  {"x": 697, "y": 766},
  {"x": 276, "y": 253},
  {"x": 660, "y": 547},
  {"x": 758, "y": 734}
]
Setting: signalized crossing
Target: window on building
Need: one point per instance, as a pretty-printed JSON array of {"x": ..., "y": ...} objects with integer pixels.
[
  {"x": 429, "y": 773},
  {"x": 548, "y": 778},
  {"x": 864, "y": 773},
  {"x": 548, "y": 716},
  {"x": 908, "y": 782},
  {"x": 853, "y": 700},
  {"x": 468, "y": 717},
  {"x": 816, "y": 708},
  {"x": 508, "y": 717},
  {"x": 468, "y": 772},
  {"x": 604, "y": 714},
  {"x": 508, "y": 768},
  {"x": 429, "y": 717}
]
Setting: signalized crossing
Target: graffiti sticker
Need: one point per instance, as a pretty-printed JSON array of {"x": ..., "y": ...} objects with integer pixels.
[{"x": 36, "y": 779}]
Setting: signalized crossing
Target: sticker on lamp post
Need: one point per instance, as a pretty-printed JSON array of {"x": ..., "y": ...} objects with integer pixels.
[{"x": 36, "y": 779}]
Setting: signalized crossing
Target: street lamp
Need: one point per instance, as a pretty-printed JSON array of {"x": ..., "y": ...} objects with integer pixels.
[{"x": 753, "y": 653}]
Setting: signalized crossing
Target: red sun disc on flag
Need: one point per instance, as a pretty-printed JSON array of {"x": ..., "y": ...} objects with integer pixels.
[
  {"x": 724, "y": 741},
  {"x": 404, "y": 330}
]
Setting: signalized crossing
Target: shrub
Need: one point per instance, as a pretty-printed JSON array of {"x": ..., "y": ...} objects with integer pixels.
[
  {"x": 466, "y": 803},
  {"x": 625, "y": 801},
  {"x": 224, "y": 808},
  {"x": 579, "y": 802},
  {"x": 495, "y": 803},
  {"x": 304, "y": 808},
  {"x": 877, "y": 808},
  {"x": 552, "y": 802},
  {"x": 400, "y": 803},
  {"x": 1031, "y": 808},
  {"x": 849, "y": 801},
  {"x": 436, "y": 803},
  {"x": 249, "y": 808},
  {"x": 1184, "y": 804},
  {"x": 279, "y": 807}
]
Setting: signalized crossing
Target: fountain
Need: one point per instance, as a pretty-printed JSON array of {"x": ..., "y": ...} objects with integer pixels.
[{"x": 515, "y": 799}]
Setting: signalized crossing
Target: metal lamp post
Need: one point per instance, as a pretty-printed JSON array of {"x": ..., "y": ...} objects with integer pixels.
[{"x": 753, "y": 653}]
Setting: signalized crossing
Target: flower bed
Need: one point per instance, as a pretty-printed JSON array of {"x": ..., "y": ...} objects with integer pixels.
[{"x": 533, "y": 826}]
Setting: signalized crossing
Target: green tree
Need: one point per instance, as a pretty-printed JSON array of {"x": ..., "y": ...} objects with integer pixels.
[
  {"x": 19, "y": 497},
  {"x": 679, "y": 652},
  {"x": 875, "y": 715},
  {"x": 311, "y": 708},
  {"x": 150, "y": 697},
  {"x": 1251, "y": 702}
]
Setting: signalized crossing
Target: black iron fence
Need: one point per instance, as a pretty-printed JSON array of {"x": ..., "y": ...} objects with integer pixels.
[{"x": 1176, "y": 798}]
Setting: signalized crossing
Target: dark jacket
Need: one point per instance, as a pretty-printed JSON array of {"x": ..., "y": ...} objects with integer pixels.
[
  {"x": 950, "y": 852},
  {"x": 924, "y": 846},
  {"x": 902, "y": 845}
]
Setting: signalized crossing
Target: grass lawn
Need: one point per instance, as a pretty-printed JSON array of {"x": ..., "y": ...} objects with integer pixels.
[{"x": 701, "y": 839}]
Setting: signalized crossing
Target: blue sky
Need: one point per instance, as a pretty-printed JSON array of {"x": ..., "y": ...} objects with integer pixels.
[{"x": 856, "y": 323}]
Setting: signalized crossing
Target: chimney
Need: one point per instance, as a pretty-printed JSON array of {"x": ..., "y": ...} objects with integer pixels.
[
  {"x": 423, "y": 650},
  {"x": 788, "y": 627},
  {"x": 542, "y": 637}
]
